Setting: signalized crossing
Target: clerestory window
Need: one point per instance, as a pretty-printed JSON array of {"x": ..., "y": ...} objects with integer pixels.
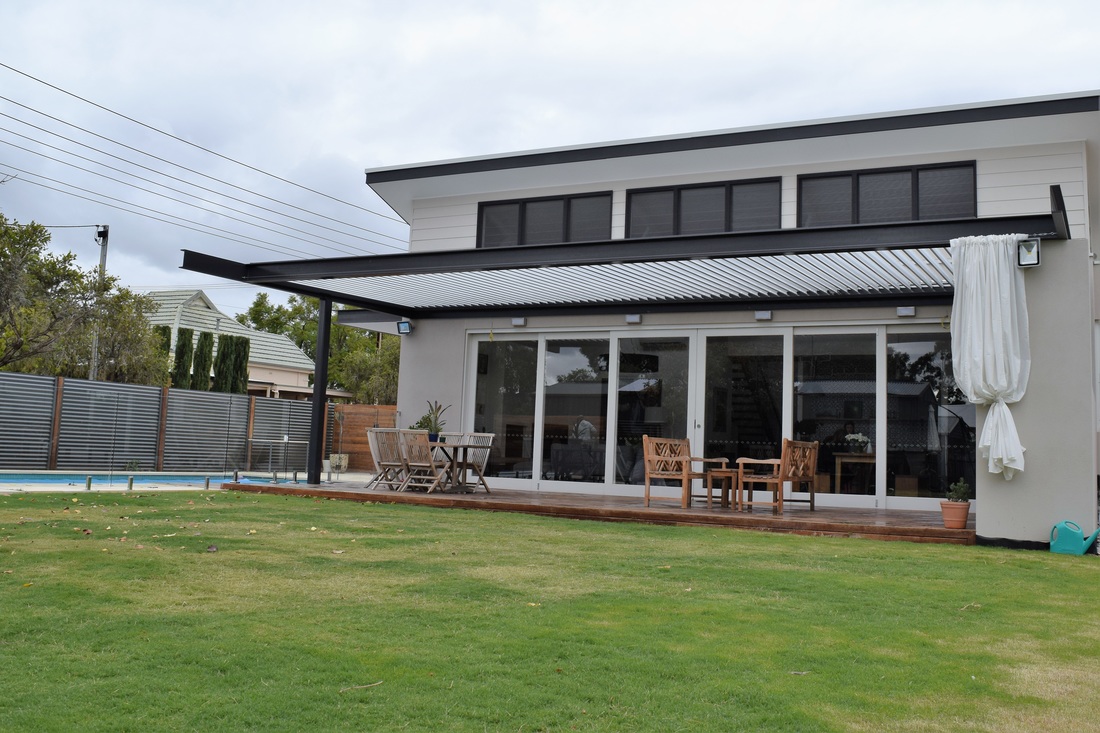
[
  {"x": 581, "y": 218},
  {"x": 713, "y": 208},
  {"x": 888, "y": 195}
]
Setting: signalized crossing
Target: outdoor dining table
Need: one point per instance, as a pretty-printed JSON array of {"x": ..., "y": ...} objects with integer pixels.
[{"x": 456, "y": 452}]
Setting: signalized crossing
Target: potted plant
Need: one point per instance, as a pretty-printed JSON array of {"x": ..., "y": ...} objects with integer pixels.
[
  {"x": 956, "y": 507},
  {"x": 432, "y": 420}
]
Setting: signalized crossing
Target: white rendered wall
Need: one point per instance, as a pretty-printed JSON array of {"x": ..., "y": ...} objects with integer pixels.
[{"x": 1056, "y": 418}]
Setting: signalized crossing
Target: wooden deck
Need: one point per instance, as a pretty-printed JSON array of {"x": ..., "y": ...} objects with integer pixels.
[{"x": 878, "y": 524}]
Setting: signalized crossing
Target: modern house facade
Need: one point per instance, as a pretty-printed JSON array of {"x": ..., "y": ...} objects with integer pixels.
[{"x": 743, "y": 286}]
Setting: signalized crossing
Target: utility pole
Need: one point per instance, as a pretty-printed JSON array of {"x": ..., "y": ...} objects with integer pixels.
[{"x": 101, "y": 237}]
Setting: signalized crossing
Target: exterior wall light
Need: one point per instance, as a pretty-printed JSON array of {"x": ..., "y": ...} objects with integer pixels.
[
  {"x": 1027, "y": 252},
  {"x": 519, "y": 321},
  {"x": 907, "y": 311},
  {"x": 633, "y": 318},
  {"x": 763, "y": 315},
  {"x": 404, "y": 327}
]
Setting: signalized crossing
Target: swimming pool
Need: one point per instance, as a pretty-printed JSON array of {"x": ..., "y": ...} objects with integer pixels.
[{"x": 100, "y": 479}]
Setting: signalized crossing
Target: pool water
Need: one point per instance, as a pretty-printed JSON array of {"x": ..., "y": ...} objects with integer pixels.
[{"x": 106, "y": 478}]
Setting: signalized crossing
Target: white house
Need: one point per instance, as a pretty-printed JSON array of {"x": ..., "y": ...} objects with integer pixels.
[
  {"x": 742, "y": 286},
  {"x": 276, "y": 367}
]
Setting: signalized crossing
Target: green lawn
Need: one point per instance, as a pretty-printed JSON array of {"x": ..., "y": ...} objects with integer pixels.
[{"x": 115, "y": 615}]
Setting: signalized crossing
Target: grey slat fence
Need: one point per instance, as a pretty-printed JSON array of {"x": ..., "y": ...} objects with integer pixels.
[{"x": 51, "y": 423}]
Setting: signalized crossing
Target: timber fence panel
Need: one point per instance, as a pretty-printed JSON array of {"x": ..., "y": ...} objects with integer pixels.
[
  {"x": 108, "y": 426},
  {"x": 205, "y": 431},
  {"x": 26, "y": 420}
]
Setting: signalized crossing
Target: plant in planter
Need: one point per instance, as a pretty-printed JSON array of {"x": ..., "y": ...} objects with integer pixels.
[
  {"x": 432, "y": 420},
  {"x": 956, "y": 507}
]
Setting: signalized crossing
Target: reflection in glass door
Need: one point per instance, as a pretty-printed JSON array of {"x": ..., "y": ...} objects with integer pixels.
[
  {"x": 652, "y": 396},
  {"x": 930, "y": 428},
  {"x": 835, "y": 394},
  {"x": 744, "y": 397},
  {"x": 505, "y": 404},
  {"x": 574, "y": 427}
]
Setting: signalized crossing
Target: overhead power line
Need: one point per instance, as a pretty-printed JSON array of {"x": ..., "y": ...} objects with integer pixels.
[
  {"x": 194, "y": 206},
  {"x": 198, "y": 147},
  {"x": 232, "y": 236},
  {"x": 173, "y": 164},
  {"x": 164, "y": 185}
]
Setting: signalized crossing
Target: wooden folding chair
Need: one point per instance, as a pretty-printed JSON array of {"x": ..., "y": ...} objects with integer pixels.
[
  {"x": 477, "y": 456},
  {"x": 389, "y": 461},
  {"x": 423, "y": 471}
]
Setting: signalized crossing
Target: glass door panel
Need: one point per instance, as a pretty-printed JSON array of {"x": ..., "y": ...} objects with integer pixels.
[
  {"x": 744, "y": 397},
  {"x": 652, "y": 396},
  {"x": 834, "y": 403},
  {"x": 930, "y": 425},
  {"x": 575, "y": 414},
  {"x": 504, "y": 403}
]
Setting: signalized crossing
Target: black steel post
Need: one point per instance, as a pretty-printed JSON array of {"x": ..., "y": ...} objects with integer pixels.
[{"x": 320, "y": 384}]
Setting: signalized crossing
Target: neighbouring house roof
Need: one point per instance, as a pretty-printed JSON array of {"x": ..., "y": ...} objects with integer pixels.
[{"x": 193, "y": 309}]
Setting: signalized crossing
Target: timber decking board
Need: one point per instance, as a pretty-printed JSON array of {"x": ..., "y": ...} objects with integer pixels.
[{"x": 880, "y": 524}]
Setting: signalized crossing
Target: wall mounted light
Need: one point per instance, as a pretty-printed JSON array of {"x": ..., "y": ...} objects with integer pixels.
[
  {"x": 1027, "y": 252},
  {"x": 519, "y": 321},
  {"x": 404, "y": 327},
  {"x": 763, "y": 315},
  {"x": 633, "y": 318},
  {"x": 907, "y": 311}
]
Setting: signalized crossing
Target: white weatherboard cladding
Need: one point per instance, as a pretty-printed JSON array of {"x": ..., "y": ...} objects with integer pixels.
[{"x": 1010, "y": 182}]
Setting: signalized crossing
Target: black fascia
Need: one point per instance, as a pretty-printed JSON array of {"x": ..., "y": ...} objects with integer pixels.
[
  {"x": 849, "y": 238},
  {"x": 1019, "y": 110}
]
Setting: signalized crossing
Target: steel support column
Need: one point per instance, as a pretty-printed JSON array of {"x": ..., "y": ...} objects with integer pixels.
[{"x": 320, "y": 390}]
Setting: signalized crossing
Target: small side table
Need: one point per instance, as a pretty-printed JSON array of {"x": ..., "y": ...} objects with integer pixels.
[{"x": 727, "y": 476}]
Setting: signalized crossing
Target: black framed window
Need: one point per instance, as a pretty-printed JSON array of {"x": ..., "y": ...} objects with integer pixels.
[
  {"x": 732, "y": 206},
  {"x": 888, "y": 195},
  {"x": 579, "y": 218}
]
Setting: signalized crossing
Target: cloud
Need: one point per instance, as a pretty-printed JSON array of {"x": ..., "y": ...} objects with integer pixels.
[{"x": 314, "y": 93}]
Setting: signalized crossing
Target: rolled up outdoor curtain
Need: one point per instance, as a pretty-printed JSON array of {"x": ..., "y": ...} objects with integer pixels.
[{"x": 990, "y": 348}]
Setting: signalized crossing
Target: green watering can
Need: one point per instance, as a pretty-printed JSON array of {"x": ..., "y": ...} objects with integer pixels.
[{"x": 1068, "y": 539}]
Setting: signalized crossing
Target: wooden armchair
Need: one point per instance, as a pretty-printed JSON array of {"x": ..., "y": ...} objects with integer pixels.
[
  {"x": 797, "y": 464},
  {"x": 671, "y": 459}
]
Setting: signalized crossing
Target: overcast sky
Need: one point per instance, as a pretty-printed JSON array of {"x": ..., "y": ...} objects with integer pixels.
[{"x": 315, "y": 93}]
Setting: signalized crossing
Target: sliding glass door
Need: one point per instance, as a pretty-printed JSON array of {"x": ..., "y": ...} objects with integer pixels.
[
  {"x": 572, "y": 408},
  {"x": 835, "y": 401},
  {"x": 651, "y": 397},
  {"x": 743, "y": 397}
]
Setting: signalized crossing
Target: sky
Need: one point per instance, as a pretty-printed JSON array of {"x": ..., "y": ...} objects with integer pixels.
[{"x": 241, "y": 128}]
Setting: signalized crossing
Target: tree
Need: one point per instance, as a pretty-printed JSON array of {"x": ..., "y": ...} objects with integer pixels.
[
  {"x": 164, "y": 333},
  {"x": 185, "y": 348},
  {"x": 43, "y": 296},
  {"x": 129, "y": 347},
  {"x": 360, "y": 362},
  {"x": 370, "y": 374},
  {"x": 231, "y": 365},
  {"x": 202, "y": 361}
]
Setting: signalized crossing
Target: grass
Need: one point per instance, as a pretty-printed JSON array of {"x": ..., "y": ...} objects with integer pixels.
[{"x": 117, "y": 615}]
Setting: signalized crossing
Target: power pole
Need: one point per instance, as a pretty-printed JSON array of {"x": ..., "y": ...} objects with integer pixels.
[{"x": 101, "y": 237}]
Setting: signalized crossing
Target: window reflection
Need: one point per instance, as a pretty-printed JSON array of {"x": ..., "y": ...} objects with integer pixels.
[
  {"x": 834, "y": 394},
  {"x": 575, "y": 423},
  {"x": 930, "y": 425}
]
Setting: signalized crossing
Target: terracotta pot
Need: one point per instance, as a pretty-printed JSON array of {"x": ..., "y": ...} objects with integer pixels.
[{"x": 955, "y": 514}]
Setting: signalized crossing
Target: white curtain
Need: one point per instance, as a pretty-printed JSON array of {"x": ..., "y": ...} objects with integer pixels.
[{"x": 989, "y": 340}]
